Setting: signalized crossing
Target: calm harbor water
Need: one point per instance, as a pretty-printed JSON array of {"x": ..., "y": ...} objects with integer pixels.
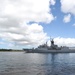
[{"x": 21, "y": 63}]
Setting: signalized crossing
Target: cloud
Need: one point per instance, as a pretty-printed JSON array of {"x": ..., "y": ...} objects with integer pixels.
[
  {"x": 65, "y": 41},
  {"x": 73, "y": 24},
  {"x": 25, "y": 34},
  {"x": 15, "y": 17},
  {"x": 52, "y": 2},
  {"x": 26, "y": 10},
  {"x": 60, "y": 41},
  {"x": 67, "y": 18},
  {"x": 68, "y": 6}
]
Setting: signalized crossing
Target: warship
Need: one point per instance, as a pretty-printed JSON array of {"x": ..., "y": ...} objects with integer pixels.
[{"x": 44, "y": 48}]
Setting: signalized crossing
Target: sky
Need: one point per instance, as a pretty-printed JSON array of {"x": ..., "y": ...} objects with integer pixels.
[{"x": 29, "y": 23}]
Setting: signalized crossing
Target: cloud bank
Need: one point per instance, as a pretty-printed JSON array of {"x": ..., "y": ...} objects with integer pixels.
[
  {"x": 65, "y": 41},
  {"x": 61, "y": 41},
  {"x": 19, "y": 20}
]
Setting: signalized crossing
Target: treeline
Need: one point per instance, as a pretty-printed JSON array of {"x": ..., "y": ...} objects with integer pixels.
[
  {"x": 10, "y": 50},
  {"x": 5, "y": 49}
]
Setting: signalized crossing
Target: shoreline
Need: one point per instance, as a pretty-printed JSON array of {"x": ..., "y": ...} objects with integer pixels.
[{"x": 13, "y": 51}]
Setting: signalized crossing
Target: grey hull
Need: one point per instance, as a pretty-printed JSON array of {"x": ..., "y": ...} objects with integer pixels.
[{"x": 50, "y": 51}]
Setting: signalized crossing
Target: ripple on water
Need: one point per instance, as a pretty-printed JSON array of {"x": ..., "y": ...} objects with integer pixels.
[{"x": 37, "y": 64}]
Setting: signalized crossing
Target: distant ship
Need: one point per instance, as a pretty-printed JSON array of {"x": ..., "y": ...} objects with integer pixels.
[{"x": 50, "y": 49}]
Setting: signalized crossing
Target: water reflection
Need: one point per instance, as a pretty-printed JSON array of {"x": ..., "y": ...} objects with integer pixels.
[
  {"x": 53, "y": 56},
  {"x": 58, "y": 64},
  {"x": 53, "y": 63}
]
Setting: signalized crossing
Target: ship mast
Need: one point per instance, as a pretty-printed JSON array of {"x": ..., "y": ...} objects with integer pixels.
[{"x": 52, "y": 42}]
